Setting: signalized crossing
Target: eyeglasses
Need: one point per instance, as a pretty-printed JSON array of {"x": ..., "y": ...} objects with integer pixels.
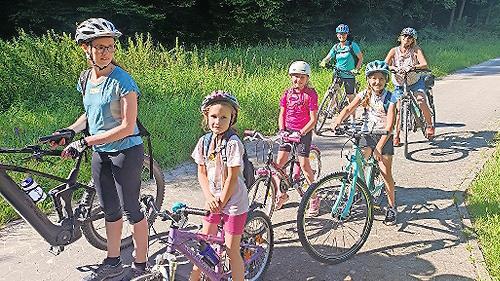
[
  {"x": 341, "y": 33},
  {"x": 407, "y": 35},
  {"x": 101, "y": 49}
]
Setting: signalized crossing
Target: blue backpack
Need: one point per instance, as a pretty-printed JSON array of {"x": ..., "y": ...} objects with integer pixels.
[{"x": 248, "y": 168}]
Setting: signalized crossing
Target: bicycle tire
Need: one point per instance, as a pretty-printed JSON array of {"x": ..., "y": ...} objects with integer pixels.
[
  {"x": 405, "y": 114},
  {"x": 256, "y": 195},
  {"x": 94, "y": 228},
  {"x": 258, "y": 231},
  {"x": 323, "y": 111},
  {"x": 315, "y": 231},
  {"x": 430, "y": 97}
]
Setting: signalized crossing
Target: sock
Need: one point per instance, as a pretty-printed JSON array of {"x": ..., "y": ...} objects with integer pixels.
[
  {"x": 112, "y": 261},
  {"x": 141, "y": 265}
]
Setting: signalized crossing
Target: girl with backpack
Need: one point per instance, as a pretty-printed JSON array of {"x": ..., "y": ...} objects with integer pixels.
[
  {"x": 404, "y": 58},
  {"x": 220, "y": 174},
  {"x": 110, "y": 100},
  {"x": 298, "y": 115},
  {"x": 380, "y": 105},
  {"x": 347, "y": 56}
]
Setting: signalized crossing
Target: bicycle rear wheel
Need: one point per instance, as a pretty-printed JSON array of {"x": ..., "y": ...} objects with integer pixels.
[
  {"x": 260, "y": 197},
  {"x": 94, "y": 228},
  {"x": 405, "y": 120},
  {"x": 327, "y": 237},
  {"x": 324, "y": 110},
  {"x": 258, "y": 235},
  {"x": 430, "y": 97}
]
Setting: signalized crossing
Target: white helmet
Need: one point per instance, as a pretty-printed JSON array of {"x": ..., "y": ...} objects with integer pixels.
[
  {"x": 95, "y": 28},
  {"x": 300, "y": 67}
]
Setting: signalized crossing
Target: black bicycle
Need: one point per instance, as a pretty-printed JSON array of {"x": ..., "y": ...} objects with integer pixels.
[
  {"x": 410, "y": 116},
  {"x": 73, "y": 218},
  {"x": 334, "y": 100}
]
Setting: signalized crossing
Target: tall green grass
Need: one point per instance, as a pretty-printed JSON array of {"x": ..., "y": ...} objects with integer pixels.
[
  {"x": 38, "y": 79},
  {"x": 484, "y": 204}
]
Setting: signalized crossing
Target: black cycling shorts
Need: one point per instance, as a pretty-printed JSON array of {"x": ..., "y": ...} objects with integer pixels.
[
  {"x": 117, "y": 178},
  {"x": 349, "y": 85},
  {"x": 372, "y": 141},
  {"x": 303, "y": 148}
]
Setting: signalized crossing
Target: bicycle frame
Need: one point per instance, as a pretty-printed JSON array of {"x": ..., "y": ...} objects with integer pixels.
[
  {"x": 177, "y": 239},
  {"x": 356, "y": 164},
  {"x": 271, "y": 169},
  {"x": 67, "y": 230}
]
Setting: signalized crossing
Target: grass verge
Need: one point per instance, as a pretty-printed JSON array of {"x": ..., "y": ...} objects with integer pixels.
[{"x": 483, "y": 201}]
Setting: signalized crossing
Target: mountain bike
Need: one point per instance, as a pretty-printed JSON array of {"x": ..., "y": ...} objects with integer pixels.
[
  {"x": 347, "y": 201},
  {"x": 73, "y": 218},
  {"x": 411, "y": 116},
  {"x": 207, "y": 252},
  {"x": 334, "y": 100},
  {"x": 263, "y": 192}
]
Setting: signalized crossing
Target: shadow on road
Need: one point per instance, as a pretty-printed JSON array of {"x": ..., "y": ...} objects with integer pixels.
[{"x": 452, "y": 146}]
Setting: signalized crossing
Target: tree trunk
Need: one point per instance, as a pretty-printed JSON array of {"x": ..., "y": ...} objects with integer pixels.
[
  {"x": 460, "y": 14},
  {"x": 452, "y": 17},
  {"x": 488, "y": 15}
]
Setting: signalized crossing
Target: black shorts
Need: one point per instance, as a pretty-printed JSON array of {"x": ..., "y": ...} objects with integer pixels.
[
  {"x": 349, "y": 85},
  {"x": 117, "y": 178},
  {"x": 372, "y": 141},
  {"x": 303, "y": 148}
]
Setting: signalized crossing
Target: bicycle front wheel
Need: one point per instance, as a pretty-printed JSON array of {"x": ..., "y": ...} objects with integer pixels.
[
  {"x": 257, "y": 244},
  {"x": 324, "y": 111},
  {"x": 262, "y": 195},
  {"x": 329, "y": 230},
  {"x": 94, "y": 229},
  {"x": 151, "y": 277}
]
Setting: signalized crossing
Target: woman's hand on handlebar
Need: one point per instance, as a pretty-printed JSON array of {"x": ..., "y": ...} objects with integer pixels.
[
  {"x": 74, "y": 149},
  {"x": 67, "y": 136}
]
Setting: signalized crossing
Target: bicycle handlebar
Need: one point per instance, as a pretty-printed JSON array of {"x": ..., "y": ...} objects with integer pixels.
[
  {"x": 336, "y": 69},
  {"x": 358, "y": 131},
  {"x": 195, "y": 211},
  {"x": 55, "y": 137},
  {"x": 254, "y": 135},
  {"x": 35, "y": 149}
]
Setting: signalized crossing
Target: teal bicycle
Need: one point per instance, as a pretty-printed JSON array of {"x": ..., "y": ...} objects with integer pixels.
[{"x": 347, "y": 201}]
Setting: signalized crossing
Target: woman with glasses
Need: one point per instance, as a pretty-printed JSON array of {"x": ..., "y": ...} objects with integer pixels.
[
  {"x": 110, "y": 101},
  {"x": 406, "y": 58}
]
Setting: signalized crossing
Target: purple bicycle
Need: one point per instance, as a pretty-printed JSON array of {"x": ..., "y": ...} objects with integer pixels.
[{"x": 207, "y": 251}]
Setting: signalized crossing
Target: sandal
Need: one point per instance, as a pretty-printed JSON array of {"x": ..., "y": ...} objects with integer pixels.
[
  {"x": 429, "y": 132},
  {"x": 397, "y": 141}
]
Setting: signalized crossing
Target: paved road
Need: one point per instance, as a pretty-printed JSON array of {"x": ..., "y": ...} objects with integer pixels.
[{"x": 428, "y": 243}]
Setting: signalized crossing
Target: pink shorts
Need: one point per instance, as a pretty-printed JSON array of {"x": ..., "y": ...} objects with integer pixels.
[{"x": 233, "y": 224}]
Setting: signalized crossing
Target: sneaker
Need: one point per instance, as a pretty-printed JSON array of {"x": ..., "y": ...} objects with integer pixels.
[
  {"x": 135, "y": 272},
  {"x": 104, "y": 272},
  {"x": 314, "y": 207},
  {"x": 281, "y": 200},
  {"x": 391, "y": 216}
]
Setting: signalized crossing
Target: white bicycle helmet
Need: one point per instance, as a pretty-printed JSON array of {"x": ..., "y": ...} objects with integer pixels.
[
  {"x": 300, "y": 67},
  {"x": 95, "y": 28},
  {"x": 377, "y": 66}
]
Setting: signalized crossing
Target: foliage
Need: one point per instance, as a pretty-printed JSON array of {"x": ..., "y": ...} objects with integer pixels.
[
  {"x": 483, "y": 200},
  {"x": 232, "y": 21}
]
